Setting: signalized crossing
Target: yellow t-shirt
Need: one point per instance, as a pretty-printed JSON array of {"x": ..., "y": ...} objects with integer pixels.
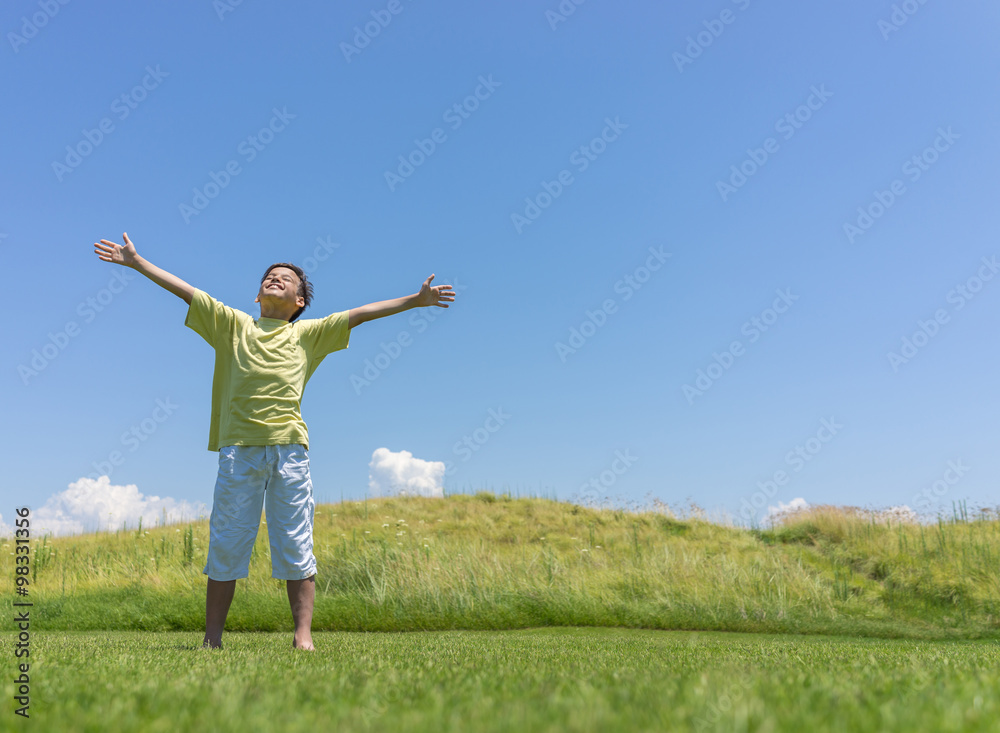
[{"x": 261, "y": 369}]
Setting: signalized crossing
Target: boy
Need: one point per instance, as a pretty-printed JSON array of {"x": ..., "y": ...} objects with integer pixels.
[{"x": 261, "y": 369}]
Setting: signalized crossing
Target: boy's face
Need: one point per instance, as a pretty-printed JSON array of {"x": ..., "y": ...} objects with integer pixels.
[{"x": 281, "y": 286}]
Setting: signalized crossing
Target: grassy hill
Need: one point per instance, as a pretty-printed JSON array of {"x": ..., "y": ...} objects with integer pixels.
[{"x": 493, "y": 562}]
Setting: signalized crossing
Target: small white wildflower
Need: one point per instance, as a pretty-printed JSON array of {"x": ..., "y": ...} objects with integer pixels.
[
  {"x": 385, "y": 525},
  {"x": 584, "y": 550},
  {"x": 367, "y": 531}
]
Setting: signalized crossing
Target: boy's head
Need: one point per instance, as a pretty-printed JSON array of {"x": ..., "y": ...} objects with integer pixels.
[{"x": 287, "y": 282}]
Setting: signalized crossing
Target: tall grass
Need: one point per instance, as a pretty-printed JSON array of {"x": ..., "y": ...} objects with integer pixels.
[
  {"x": 489, "y": 561},
  {"x": 945, "y": 573}
]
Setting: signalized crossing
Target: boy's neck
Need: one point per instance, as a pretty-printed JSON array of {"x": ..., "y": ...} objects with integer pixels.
[{"x": 275, "y": 314}]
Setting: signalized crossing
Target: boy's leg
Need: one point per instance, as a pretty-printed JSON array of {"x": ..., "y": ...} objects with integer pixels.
[
  {"x": 289, "y": 508},
  {"x": 236, "y": 507},
  {"x": 302, "y": 597},
  {"x": 217, "y": 601}
]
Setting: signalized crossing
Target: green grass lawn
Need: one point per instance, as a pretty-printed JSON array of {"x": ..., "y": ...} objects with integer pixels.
[
  {"x": 553, "y": 679},
  {"x": 487, "y": 613}
]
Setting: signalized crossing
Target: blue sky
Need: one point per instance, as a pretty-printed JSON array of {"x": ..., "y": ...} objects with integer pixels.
[{"x": 829, "y": 170}]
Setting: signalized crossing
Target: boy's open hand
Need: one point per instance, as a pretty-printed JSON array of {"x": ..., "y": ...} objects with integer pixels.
[
  {"x": 436, "y": 295},
  {"x": 439, "y": 295},
  {"x": 113, "y": 252}
]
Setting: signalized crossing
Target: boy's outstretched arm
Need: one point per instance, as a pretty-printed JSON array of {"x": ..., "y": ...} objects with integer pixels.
[
  {"x": 126, "y": 255},
  {"x": 436, "y": 295}
]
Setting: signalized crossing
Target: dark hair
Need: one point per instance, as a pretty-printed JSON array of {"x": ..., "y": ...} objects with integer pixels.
[{"x": 305, "y": 287}]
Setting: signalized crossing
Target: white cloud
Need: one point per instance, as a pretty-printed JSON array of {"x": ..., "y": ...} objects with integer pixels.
[
  {"x": 783, "y": 509},
  {"x": 400, "y": 474},
  {"x": 5, "y": 529},
  {"x": 92, "y": 504}
]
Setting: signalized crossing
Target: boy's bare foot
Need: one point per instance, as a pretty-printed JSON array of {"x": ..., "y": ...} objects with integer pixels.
[
  {"x": 211, "y": 644},
  {"x": 305, "y": 644}
]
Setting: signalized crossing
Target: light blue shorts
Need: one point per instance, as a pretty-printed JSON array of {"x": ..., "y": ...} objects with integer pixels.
[{"x": 252, "y": 477}]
